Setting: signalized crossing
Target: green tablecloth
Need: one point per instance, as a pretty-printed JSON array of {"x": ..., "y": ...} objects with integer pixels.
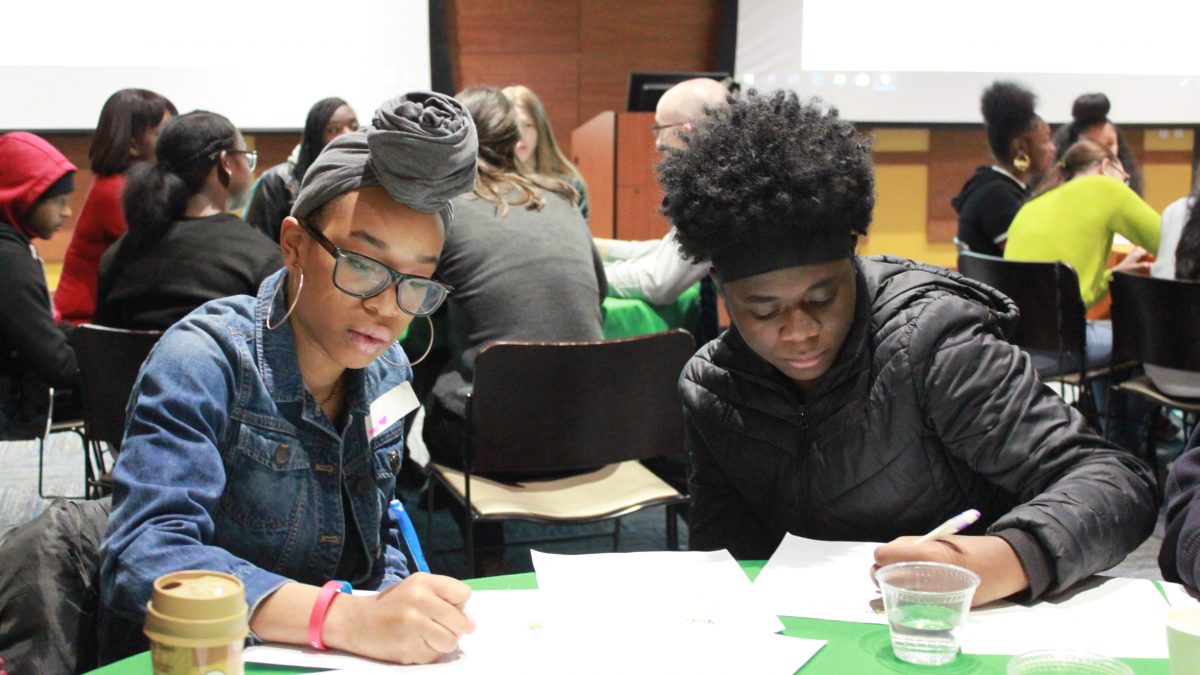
[
  {"x": 851, "y": 648},
  {"x": 624, "y": 317}
]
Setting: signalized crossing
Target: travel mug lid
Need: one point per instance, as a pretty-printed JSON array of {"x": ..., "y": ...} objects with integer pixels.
[{"x": 197, "y": 607}]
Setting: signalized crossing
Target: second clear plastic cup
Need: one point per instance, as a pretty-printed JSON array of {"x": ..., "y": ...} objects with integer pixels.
[
  {"x": 926, "y": 604},
  {"x": 1065, "y": 662}
]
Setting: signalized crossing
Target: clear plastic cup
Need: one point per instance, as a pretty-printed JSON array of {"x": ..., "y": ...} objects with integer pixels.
[
  {"x": 1065, "y": 662},
  {"x": 926, "y": 604}
]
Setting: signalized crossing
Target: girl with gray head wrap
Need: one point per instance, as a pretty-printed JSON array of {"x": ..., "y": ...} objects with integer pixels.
[
  {"x": 309, "y": 373},
  {"x": 420, "y": 147}
]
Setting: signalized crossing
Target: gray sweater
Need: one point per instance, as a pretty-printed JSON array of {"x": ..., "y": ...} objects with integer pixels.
[{"x": 529, "y": 275}]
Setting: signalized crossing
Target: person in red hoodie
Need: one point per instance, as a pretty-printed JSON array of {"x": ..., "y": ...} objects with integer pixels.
[
  {"x": 129, "y": 125},
  {"x": 35, "y": 180}
]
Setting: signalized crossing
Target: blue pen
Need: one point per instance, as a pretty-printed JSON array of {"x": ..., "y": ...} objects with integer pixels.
[{"x": 410, "y": 534}]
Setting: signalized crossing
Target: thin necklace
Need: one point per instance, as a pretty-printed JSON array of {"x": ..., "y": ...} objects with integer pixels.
[{"x": 332, "y": 392}]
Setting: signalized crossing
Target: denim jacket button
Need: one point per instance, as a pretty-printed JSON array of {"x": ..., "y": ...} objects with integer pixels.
[
  {"x": 282, "y": 453},
  {"x": 365, "y": 486}
]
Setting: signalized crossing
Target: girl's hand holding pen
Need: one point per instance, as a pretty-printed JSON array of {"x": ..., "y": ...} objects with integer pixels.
[{"x": 997, "y": 565}]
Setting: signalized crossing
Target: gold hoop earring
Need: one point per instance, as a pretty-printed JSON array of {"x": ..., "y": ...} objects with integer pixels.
[
  {"x": 296, "y": 299},
  {"x": 1021, "y": 162},
  {"x": 428, "y": 347}
]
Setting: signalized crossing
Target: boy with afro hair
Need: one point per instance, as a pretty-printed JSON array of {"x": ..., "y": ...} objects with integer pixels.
[{"x": 867, "y": 399}]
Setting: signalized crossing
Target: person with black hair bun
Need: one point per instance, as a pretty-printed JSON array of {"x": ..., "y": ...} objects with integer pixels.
[
  {"x": 129, "y": 125},
  {"x": 1020, "y": 143},
  {"x": 183, "y": 248},
  {"x": 275, "y": 191},
  {"x": 866, "y": 399},
  {"x": 1089, "y": 121}
]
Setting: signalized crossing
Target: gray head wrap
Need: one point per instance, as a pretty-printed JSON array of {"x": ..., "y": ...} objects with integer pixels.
[{"x": 420, "y": 147}]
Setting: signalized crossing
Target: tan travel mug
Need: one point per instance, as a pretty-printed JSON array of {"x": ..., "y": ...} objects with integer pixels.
[{"x": 197, "y": 623}]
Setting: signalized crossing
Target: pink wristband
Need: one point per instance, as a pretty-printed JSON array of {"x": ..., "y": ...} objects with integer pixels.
[{"x": 316, "y": 620}]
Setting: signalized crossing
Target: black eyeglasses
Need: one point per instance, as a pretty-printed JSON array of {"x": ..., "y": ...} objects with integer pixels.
[{"x": 362, "y": 277}]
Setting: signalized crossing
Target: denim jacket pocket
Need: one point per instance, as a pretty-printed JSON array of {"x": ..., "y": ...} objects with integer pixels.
[{"x": 273, "y": 481}]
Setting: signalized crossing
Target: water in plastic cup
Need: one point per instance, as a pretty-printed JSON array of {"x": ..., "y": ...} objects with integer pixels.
[
  {"x": 926, "y": 603},
  {"x": 1065, "y": 662}
]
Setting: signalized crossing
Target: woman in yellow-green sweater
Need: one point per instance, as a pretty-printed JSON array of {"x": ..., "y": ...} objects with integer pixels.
[
  {"x": 1080, "y": 205},
  {"x": 1084, "y": 202}
]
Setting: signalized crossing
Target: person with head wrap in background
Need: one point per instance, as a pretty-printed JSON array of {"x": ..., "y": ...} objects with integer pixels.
[
  {"x": 272, "y": 196},
  {"x": 35, "y": 181},
  {"x": 247, "y": 449},
  {"x": 1020, "y": 143}
]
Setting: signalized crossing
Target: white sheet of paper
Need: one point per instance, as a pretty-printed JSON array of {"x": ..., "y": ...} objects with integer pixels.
[
  {"x": 654, "y": 587},
  {"x": 1111, "y": 616},
  {"x": 820, "y": 580},
  {"x": 517, "y": 633},
  {"x": 1117, "y": 617}
]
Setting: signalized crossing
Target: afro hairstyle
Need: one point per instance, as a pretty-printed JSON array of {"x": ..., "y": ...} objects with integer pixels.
[
  {"x": 1007, "y": 109},
  {"x": 770, "y": 167}
]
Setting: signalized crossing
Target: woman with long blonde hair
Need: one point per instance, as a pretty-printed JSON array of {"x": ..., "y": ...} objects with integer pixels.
[{"x": 537, "y": 151}]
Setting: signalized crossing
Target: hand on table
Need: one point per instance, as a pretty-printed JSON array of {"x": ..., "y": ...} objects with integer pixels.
[
  {"x": 1134, "y": 261},
  {"x": 415, "y": 621},
  {"x": 999, "y": 569}
]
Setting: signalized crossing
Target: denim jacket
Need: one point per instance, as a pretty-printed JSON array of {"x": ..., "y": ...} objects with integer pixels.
[{"x": 228, "y": 464}]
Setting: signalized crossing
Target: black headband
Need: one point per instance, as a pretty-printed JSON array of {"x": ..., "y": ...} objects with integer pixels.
[{"x": 760, "y": 256}]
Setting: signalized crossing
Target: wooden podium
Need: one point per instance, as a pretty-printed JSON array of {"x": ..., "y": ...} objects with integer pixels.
[{"x": 615, "y": 153}]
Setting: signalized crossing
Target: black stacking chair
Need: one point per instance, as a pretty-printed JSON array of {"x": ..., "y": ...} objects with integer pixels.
[
  {"x": 109, "y": 361},
  {"x": 1053, "y": 318},
  {"x": 541, "y": 407},
  {"x": 1157, "y": 323}
]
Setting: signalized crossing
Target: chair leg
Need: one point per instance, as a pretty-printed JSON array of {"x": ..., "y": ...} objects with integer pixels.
[
  {"x": 41, "y": 464},
  {"x": 469, "y": 541},
  {"x": 672, "y": 529},
  {"x": 617, "y": 535}
]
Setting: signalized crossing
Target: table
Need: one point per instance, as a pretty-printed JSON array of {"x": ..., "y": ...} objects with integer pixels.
[{"x": 852, "y": 647}]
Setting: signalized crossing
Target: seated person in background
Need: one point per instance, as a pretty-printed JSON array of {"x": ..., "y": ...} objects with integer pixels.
[
  {"x": 276, "y": 189},
  {"x": 35, "y": 180},
  {"x": 1020, "y": 143},
  {"x": 1179, "y": 558},
  {"x": 521, "y": 262},
  {"x": 655, "y": 270},
  {"x": 130, "y": 122},
  {"x": 183, "y": 248},
  {"x": 537, "y": 151},
  {"x": 1089, "y": 120},
  {"x": 866, "y": 399},
  {"x": 1080, "y": 205},
  {"x": 523, "y": 267},
  {"x": 1178, "y": 258},
  {"x": 246, "y": 450},
  {"x": 1179, "y": 217}
]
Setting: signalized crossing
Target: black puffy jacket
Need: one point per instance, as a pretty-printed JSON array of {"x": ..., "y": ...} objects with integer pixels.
[{"x": 926, "y": 412}]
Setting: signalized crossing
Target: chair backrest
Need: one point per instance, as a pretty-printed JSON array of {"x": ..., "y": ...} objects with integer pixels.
[
  {"x": 1156, "y": 321},
  {"x": 109, "y": 360},
  {"x": 540, "y": 406},
  {"x": 1047, "y": 294}
]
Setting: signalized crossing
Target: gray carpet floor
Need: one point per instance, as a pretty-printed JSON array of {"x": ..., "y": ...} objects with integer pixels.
[{"x": 643, "y": 531}]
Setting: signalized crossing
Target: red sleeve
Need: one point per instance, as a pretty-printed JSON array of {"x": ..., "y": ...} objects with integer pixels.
[{"x": 101, "y": 222}]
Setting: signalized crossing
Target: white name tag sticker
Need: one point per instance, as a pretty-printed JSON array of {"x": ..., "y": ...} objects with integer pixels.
[{"x": 391, "y": 408}]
